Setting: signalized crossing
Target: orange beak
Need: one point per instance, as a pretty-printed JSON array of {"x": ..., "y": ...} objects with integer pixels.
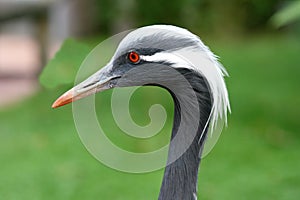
[
  {"x": 80, "y": 91},
  {"x": 64, "y": 99},
  {"x": 97, "y": 82},
  {"x": 77, "y": 93}
]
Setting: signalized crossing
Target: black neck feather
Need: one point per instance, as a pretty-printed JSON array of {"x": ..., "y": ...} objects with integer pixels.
[{"x": 181, "y": 176}]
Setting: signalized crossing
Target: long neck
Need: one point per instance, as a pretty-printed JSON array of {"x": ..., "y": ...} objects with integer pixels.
[{"x": 181, "y": 176}]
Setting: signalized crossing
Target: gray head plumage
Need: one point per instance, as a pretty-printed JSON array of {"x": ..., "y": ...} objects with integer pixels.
[{"x": 178, "y": 46}]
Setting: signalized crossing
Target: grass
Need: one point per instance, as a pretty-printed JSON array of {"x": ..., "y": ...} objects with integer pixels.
[{"x": 257, "y": 156}]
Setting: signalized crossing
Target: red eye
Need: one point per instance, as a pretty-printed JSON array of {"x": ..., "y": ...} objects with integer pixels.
[{"x": 134, "y": 57}]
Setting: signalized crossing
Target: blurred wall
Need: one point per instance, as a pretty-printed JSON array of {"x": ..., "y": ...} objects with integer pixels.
[{"x": 30, "y": 34}]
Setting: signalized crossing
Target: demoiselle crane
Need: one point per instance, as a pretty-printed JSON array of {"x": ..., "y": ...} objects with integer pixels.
[{"x": 177, "y": 60}]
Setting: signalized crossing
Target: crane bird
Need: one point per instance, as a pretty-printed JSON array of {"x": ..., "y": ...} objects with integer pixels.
[{"x": 153, "y": 53}]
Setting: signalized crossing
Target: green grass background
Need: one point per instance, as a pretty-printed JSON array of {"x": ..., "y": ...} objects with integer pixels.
[{"x": 256, "y": 157}]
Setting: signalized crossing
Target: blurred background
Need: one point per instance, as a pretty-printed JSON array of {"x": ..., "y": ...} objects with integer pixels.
[{"x": 257, "y": 156}]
